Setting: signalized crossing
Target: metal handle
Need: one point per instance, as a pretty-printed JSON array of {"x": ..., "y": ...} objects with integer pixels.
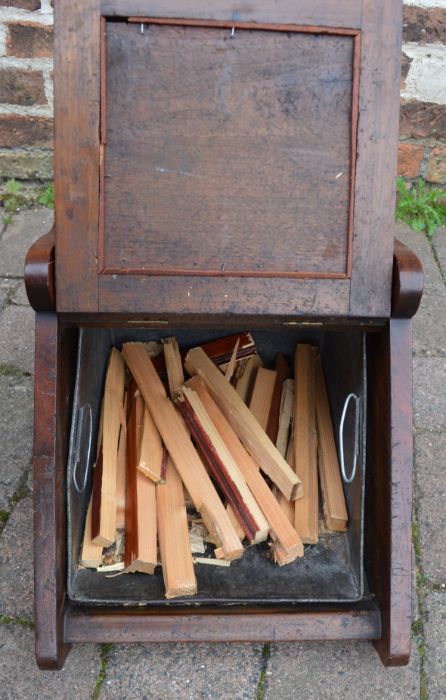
[
  {"x": 77, "y": 458},
  {"x": 349, "y": 479}
]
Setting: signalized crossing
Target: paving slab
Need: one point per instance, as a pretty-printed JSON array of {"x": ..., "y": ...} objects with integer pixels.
[
  {"x": 26, "y": 227},
  {"x": 353, "y": 670},
  {"x": 183, "y": 671},
  {"x": 19, "y": 295},
  {"x": 430, "y": 451},
  {"x": 7, "y": 290},
  {"x": 429, "y": 325},
  {"x": 20, "y": 678},
  {"x": 433, "y": 281},
  {"x": 16, "y": 563},
  {"x": 439, "y": 243},
  {"x": 17, "y": 337},
  {"x": 429, "y": 393},
  {"x": 435, "y": 645},
  {"x": 16, "y": 433}
]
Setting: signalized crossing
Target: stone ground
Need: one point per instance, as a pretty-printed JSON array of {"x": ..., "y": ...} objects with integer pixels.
[{"x": 237, "y": 671}]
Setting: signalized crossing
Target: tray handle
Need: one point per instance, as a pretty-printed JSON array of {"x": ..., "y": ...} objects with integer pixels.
[{"x": 349, "y": 479}]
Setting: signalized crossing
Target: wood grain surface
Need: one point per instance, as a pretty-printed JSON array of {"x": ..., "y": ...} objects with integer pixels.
[{"x": 227, "y": 138}]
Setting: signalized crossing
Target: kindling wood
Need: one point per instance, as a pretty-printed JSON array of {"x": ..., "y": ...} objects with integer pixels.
[
  {"x": 181, "y": 450},
  {"x": 244, "y": 424}
]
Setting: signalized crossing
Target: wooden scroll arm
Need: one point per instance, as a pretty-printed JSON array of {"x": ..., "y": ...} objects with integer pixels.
[
  {"x": 407, "y": 282},
  {"x": 39, "y": 274}
]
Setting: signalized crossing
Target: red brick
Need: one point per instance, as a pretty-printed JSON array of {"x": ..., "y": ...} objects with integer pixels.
[
  {"x": 410, "y": 156},
  {"x": 423, "y": 26},
  {"x": 20, "y": 87},
  {"x": 25, "y": 131},
  {"x": 23, "y": 4},
  {"x": 436, "y": 165},
  {"x": 30, "y": 41},
  {"x": 422, "y": 120}
]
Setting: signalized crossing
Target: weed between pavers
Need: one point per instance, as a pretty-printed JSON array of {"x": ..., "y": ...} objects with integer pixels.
[
  {"x": 421, "y": 207},
  {"x": 14, "y": 198},
  {"x": 266, "y": 653},
  {"x": 105, "y": 651}
]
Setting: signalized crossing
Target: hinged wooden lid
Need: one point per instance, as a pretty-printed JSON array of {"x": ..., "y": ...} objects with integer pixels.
[{"x": 226, "y": 157}]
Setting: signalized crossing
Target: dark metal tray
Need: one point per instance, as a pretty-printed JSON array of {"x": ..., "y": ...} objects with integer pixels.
[{"x": 330, "y": 571}]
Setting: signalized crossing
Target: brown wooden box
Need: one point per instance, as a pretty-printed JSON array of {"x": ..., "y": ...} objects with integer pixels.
[{"x": 227, "y": 165}]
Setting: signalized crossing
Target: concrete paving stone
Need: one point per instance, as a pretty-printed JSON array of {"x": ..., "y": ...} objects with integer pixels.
[
  {"x": 25, "y": 228},
  {"x": 435, "y": 645},
  {"x": 433, "y": 281},
  {"x": 20, "y": 678},
  {"x": 429, "y": 392},
  {"x": 429, "y": 325},
  {"x": 439, "y": 243},
  {"x": 17, "y": 337},
  {"x": 16, "y": 433},
  {"x": 183, "y": 671},
  {"x": 430, "y": 451},
  {"x": 16, "y": 563},
  {"x": 19, "y": 296},
  {"x": 7, "y": 290},
  {"x": 352, "y": 670}
]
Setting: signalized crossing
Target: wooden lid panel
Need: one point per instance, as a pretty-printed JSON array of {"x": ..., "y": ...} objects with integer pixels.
[{"x": 226, "y": 152}]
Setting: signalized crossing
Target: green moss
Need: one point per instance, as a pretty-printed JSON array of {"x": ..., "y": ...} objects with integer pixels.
[
  {"x": 13, "y": 371},
  {"x": 266, "y": 653},
  {"x": 105, "y": 651},
  {"x": 7, "y": 620}
]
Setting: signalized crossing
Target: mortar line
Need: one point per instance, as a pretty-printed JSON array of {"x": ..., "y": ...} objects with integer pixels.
[
  {"x": 418, "y": 630},
  {"x": 435, "y": 256},
  {"x": 22, "y": 491}
]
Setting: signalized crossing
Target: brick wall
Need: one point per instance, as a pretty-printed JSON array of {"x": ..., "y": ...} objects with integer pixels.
[{"x": 26, "y": 94}]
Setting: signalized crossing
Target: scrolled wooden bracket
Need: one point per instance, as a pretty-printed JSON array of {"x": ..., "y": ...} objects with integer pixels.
[
  {"x": 407, "y": 282},
  {"x": 39, "y": 274}
]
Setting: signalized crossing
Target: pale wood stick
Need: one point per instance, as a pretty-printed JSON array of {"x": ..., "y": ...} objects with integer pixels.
[
  {"x": 243, "y": 385},
  {"x": 121, "y": 467},
  {"x": 262, "y": 395},
  {"x": 173, "y": 534},
  {"x": 232, "y": 363},
  {"x": 285, "y": 416},
  {"x": 222, "y": 465},
  {"x": 182, "y": 451},
  {"x": 281, "y": 529},
  {"x": 152, "y": 460},
  {"x": 140, "y": 521},
  {"x": 105, "y": 532},
  {"x": 282, "y": 370},
  {"x": 306, "y": 510},
  {"x": 91, "y": 554},
  {"x": 244, "y": 424},
  {"x": 333, "y": 499},
  {"x": 287, "y": 506},
  {"x": 174, "y": 365},
  {"x": 234, "y": 520}
]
